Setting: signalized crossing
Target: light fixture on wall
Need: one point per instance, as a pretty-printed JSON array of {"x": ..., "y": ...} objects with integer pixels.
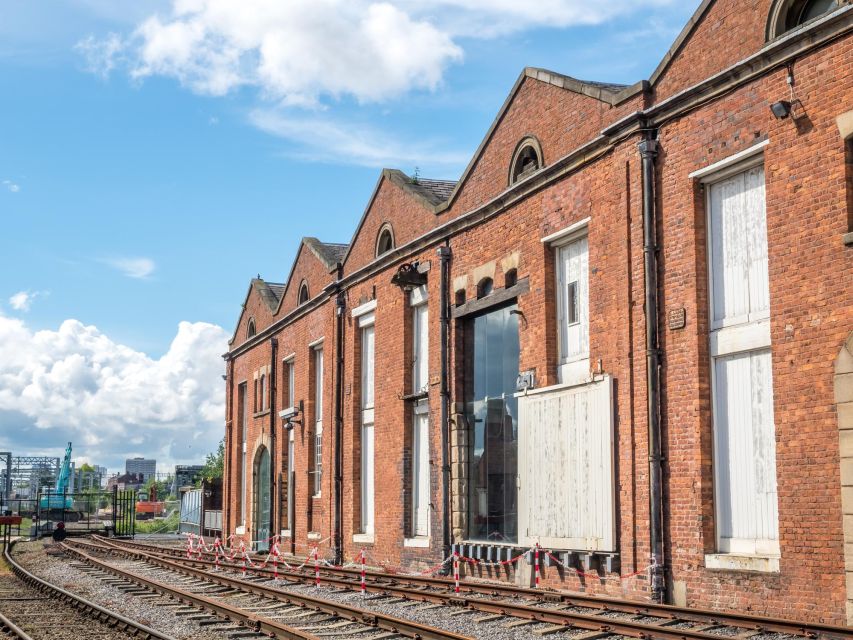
[
  {"x": 290, "y": 416},
  {"x": 409, "y": 277},
  {"x": 781, "y": 109}
]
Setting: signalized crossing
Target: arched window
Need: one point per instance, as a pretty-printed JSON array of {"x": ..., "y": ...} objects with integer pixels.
[
  {"x": 304, "y": 296},
  {"x": 526, "y": 160},
  {"x": 485, "y": 287},
  {"x": 250, "y": 330},
  {"x": 790, "y": 14},
  {"x": 510, "y": 278},
  {"x": 385, "y": 240}
]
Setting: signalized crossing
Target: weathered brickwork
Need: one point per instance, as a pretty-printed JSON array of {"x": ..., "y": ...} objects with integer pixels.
[{"x": 495, "y": 231}]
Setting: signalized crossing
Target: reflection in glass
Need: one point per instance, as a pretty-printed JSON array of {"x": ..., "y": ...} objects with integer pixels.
[{"x": 492, "y": 352}]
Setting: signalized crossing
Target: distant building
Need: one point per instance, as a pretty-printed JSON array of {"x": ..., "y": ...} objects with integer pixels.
[
  {"x": 133, "y": 481},
  {"x": 186, "y": 474},
  {"x": 86, "y": 479},
  {"x": 148, "y": 468}
]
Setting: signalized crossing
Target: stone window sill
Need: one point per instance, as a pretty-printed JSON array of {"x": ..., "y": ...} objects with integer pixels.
[
  {"x": 733, "y": 562},
  {"x": 261, "y": 414},
  {"x": 848, "y": 239},
  {"x": 419, "y": 542},
  {"x": 363, "y": 538},
  {"x": 312, "y": 535}
]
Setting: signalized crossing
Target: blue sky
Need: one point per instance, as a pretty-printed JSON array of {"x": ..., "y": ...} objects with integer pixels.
[{"x": 147, "y": 172}]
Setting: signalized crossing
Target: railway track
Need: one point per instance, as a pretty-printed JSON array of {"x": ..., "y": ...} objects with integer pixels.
[
  {"x": 34, "y": 609},
  {"x": 218, "y": 599},
  {"x": 560, "y": 609}
]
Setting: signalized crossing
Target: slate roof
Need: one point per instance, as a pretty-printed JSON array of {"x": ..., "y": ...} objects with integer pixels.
[
  {"x": 277, "y": 289},
  {"x": 437, "y": 190}
]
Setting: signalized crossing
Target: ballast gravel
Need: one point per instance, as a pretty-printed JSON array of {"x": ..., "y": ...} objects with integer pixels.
[{"x": 59, "y": 571}]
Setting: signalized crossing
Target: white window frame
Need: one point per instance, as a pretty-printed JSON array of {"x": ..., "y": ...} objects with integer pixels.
[
  {"x": 244, "y": 434},
  {"x": 318, "y": 419},
  {"x": 367, "y": 324},
  {"x": 570, "y": 369},
  {"x": 420, "y": 458},
  {"x": 741, "y": 335}
]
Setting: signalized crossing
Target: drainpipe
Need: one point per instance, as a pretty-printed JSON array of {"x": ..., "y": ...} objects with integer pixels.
[
  {"x": 648, "y": 152},
  {"x": 444, "y": 255},
  {"x": 273, "y": 475},
  {"x": 340, "y": 310},
  {"x": 226, "y": 466}
]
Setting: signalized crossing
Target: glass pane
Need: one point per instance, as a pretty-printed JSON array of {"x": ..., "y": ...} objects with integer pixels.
[
  {"x": 817, "y": 8},
  {"x": 493, "y": 352}
]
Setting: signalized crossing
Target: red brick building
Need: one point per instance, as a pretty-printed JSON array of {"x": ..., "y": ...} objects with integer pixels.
[{"x": 623, "y": 334}]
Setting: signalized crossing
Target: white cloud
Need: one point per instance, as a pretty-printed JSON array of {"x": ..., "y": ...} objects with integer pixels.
[
  {"x": 325, "y": 140},
  {"x": 293, "y": 51},
  {"x": 11, "y": 186},
  {"x": 139, "y": 268},
  {"x": 111, "y": 401},
  {"x": 23, "y": 300}
]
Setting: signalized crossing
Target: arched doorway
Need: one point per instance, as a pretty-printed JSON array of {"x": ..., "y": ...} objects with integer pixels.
[{"x": 263, "y": 499}]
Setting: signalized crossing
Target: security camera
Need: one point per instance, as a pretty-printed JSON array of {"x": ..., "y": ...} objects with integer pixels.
[{"x": 290, "y": 412}]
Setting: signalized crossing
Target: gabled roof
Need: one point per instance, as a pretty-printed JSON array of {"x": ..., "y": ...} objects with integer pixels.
[
  {"x": 271, "y": 294},
  {"x": 329, "y": 253},
  {"x": 432, "y": 194},
  {"x": 607, "y": 92}
]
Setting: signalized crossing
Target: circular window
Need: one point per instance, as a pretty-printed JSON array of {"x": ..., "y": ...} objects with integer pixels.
[
  {"x": 526, "y": 160},
  {"x": 787, "y": 15}
]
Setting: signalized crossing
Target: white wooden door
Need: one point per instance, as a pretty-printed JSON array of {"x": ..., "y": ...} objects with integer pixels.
[
  {"x": 566, "y": 482},
  {"x": 573, "y": 308},
  {"x": 420, "y": 475},
  {"x": 367, "y": 432}
]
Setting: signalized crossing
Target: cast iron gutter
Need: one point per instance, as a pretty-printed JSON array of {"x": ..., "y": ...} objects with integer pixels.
[
  {"x": 648, "y": 152},
  {"x": 340, "y": 310},
  {"x": 444, "y": 254}
]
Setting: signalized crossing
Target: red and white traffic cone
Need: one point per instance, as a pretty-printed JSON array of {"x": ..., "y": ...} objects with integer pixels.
[
  {"x": 189, "y": 546},
  {"x": 363, "y": 584},
  {"x": 456, "y": 571},
  {"x": 316, "y": 567},
  {"x": 536, "y": 563}
]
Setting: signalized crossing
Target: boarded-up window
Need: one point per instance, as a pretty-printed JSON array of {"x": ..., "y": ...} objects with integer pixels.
[
  {"x": 742, "y": 381},
  {"x": 366, "y": 323},
  {"x": 420, "y": 415},
  {"x": 565, "y": 465}
]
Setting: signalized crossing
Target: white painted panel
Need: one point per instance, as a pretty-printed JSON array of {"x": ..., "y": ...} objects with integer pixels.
[
  {"x": 738, "y": 224},
  {"x": 420, "y": 348},
  {"x": 573, "y": 269},
  {"x": 420, "y": 440},
  {"x": 745, "y": 454},
  {"x": 367, "y": 479},
  {"x": 566, "y": 484},
  {"x": 367, "y": 367}
]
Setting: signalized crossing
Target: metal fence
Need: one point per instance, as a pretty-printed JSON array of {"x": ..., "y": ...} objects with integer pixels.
[{"x": 109, "y": 512}]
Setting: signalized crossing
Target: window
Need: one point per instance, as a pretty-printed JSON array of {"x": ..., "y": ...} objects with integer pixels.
[
  {"x": 318, "y": 420},
  {"x": 526, "y": 160},
  {"x": 366, "y": 324},
  {"x": 787, "y": 15},
  {"x": 263, "y": 402},
  {"x": 510, "y": 278},
  {"x": 289, "y": 468},
  {"x": 848, "y": 176},
  {"x": 255, "y": 394},
  {"x": 573, "y": 308},
  {"x": 420, "y": 417},
  {"x": 741, "y": 371},
  {"x": 250, "y": 330},
  {"x": 385, "y": 240},
  {"x": 485, "y": 287},
  {"x": 303, "y": 294},
  {"x": 491, "y": 357},
  {"x": 243, "y": 413}
]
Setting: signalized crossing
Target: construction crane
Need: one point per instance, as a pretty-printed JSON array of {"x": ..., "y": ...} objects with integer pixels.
[{"x": 56, "y": 498}]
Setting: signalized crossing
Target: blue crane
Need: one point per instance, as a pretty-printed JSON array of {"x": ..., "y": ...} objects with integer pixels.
[{"x": 55, "y": 498}]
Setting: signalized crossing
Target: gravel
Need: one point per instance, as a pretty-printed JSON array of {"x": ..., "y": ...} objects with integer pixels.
[{"x": 60, "y": 571}]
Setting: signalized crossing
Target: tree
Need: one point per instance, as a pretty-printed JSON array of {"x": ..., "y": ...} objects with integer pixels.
[
  {"x": 214, "y": 465},
  {"x": 86, "y": 468}
]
